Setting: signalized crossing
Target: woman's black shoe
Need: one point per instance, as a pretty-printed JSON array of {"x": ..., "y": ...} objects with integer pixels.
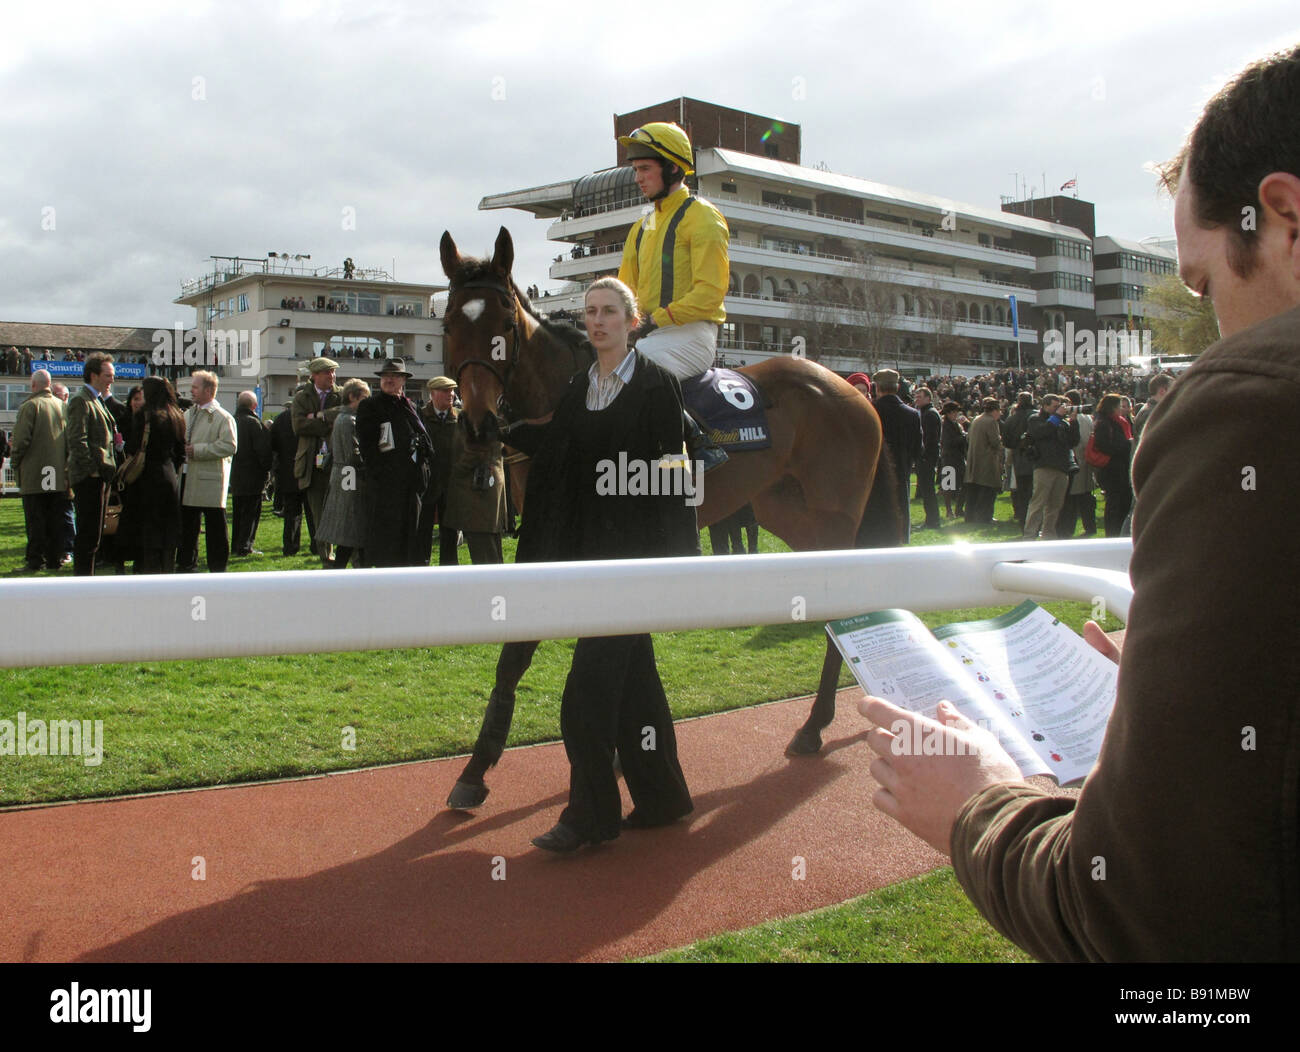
[{"x": 562, "y": 840}]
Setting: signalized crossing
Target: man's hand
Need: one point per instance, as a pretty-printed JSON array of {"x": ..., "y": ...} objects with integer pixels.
[
  {"x": 1095, "y": 636},
  {"x": 928, "y": 770},
  {"x": 189, "y": 452}
]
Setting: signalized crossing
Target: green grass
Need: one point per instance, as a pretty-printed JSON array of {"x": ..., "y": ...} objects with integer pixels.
[
  {"x": 195, "y": 723},
  {"x": 927, "y": 918}
]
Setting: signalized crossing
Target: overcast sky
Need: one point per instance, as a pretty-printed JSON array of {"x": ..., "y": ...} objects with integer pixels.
[{"x": 150, "y": 136}]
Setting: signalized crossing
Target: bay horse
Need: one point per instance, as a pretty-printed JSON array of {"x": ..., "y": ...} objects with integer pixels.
[{"x": 810, "y": 488}]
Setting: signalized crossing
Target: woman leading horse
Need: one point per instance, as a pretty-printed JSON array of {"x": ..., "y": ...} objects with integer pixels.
[{"x": 810, "y": 487}]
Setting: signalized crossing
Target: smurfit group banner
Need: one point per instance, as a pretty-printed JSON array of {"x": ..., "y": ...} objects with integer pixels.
[{"x": 122, "y": 371}]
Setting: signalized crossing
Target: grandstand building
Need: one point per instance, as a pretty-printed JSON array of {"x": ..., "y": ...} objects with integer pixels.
[{"x": 854, "y": 273}]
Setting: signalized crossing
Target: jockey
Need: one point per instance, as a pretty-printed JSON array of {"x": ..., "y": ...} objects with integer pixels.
[{"x": 675, "y": 261}]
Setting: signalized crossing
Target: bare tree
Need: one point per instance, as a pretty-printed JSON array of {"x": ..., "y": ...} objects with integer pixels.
[
  {"x": 850, "y": 313},
  {"x": 949, "y": 348},
  {"x": 1190, "y": 325}
]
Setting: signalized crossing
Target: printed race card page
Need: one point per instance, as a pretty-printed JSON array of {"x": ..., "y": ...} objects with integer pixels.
[{"x": 1026, "y": 677}]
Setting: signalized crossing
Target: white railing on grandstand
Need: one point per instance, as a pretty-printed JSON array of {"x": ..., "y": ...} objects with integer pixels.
[{"x": 78, "y": 621}]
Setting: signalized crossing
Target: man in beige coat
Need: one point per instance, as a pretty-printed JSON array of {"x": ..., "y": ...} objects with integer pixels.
[
  {"x": 40, "y": 459},
  {"x": 984, "y": 463},
  {"x": 210, "y": 443}
]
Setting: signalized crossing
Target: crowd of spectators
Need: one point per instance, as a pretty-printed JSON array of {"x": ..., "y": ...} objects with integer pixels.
[
  {"x": 15, "y": 362},
  {"x": 1050, "y": 437}
]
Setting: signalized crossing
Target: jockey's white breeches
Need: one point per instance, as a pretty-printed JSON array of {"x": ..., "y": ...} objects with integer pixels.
[{"x": 684, "y": 350}]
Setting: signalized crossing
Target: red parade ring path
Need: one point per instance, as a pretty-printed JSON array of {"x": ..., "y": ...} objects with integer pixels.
[{"x": 370, "y": 866}]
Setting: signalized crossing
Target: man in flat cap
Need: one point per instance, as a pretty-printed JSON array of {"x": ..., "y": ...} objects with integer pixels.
[
  {"x": 901, "y": 425},
  {"x": 440, "y": 416},
  {"x": 398, "y": 456},
  {"x": 313, "y": 410}
]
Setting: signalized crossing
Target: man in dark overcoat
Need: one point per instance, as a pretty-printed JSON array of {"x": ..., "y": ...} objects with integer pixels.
[
  {"x": 398, "y": 460},
  {"x": 900, "y": 426},
  {"x": 248, "y": 471}
]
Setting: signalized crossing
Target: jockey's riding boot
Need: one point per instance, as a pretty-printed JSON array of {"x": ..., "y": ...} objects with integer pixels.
[{"x": 699, "y": 446}]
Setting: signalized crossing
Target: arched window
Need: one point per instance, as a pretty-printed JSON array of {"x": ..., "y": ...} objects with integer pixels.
[{"x": 751, "y": 284}]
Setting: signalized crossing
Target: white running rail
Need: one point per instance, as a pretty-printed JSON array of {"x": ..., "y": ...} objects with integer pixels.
[{"x": 80, "y": 621}]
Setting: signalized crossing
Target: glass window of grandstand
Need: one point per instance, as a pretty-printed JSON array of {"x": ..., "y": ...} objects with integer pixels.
[
  {"x": 773, "y": 199},
  {"x": 771, "y": 341},
  {"x": 243, "y": 302},
  {"x": 405, "y": 308},
  {"x": 344, "y": 347},
  {"x": 606, "y": 191},
  {"x": 1072, "y": 282},
  {"x": 728, "y": 337},
  {"x": 779, "y": 244},
  {"x": 1072, "y": 250},
  {"x": 347, "y": 301}
]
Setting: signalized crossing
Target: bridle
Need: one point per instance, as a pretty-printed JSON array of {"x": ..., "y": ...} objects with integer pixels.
[{"x": 506, "y": 290}]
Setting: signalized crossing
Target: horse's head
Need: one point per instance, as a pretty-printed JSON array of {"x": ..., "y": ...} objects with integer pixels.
[
  {"x": 508, "y": 362},
  {"x": 484, "y": 327}
]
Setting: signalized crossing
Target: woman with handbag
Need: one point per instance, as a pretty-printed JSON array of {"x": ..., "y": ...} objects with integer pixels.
[
  {"x": 1112, "y": 439},
  {"x": 155, "y": 450}
]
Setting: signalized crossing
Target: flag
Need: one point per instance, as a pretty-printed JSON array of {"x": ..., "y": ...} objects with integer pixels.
[
  {"x": 1015, "y": 318},
  {"x": 1072, "y": 182}
]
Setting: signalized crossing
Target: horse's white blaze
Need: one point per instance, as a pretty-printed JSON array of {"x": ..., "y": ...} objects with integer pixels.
[{"x": 473, "y": 309}]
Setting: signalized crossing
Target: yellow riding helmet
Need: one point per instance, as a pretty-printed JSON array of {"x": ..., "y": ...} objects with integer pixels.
[{"x": 660, "y": 139}]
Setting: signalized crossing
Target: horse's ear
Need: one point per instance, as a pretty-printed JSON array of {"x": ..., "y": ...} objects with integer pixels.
[
  {"x": 503, "y": 259},
  {"x": 450, "y": 255}
]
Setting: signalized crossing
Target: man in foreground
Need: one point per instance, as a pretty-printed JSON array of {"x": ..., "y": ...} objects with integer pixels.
[{"x": 1182, "y": 844}]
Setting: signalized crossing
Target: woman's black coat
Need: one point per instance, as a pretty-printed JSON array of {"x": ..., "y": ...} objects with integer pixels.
[{"x": 564, "y": 516}]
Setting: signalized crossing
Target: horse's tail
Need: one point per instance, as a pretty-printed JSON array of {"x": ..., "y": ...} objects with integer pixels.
[{"x": 883, "y": 518}]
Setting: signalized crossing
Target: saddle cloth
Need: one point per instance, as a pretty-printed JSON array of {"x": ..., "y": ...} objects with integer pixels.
[{"x": 729, "y": 409}]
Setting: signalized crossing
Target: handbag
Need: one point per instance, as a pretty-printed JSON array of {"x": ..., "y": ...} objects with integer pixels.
[
  {"x": 112, "y": 511},
  {"x": 1094, "y": 456},
  {"x": 133, "y": 466}
]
